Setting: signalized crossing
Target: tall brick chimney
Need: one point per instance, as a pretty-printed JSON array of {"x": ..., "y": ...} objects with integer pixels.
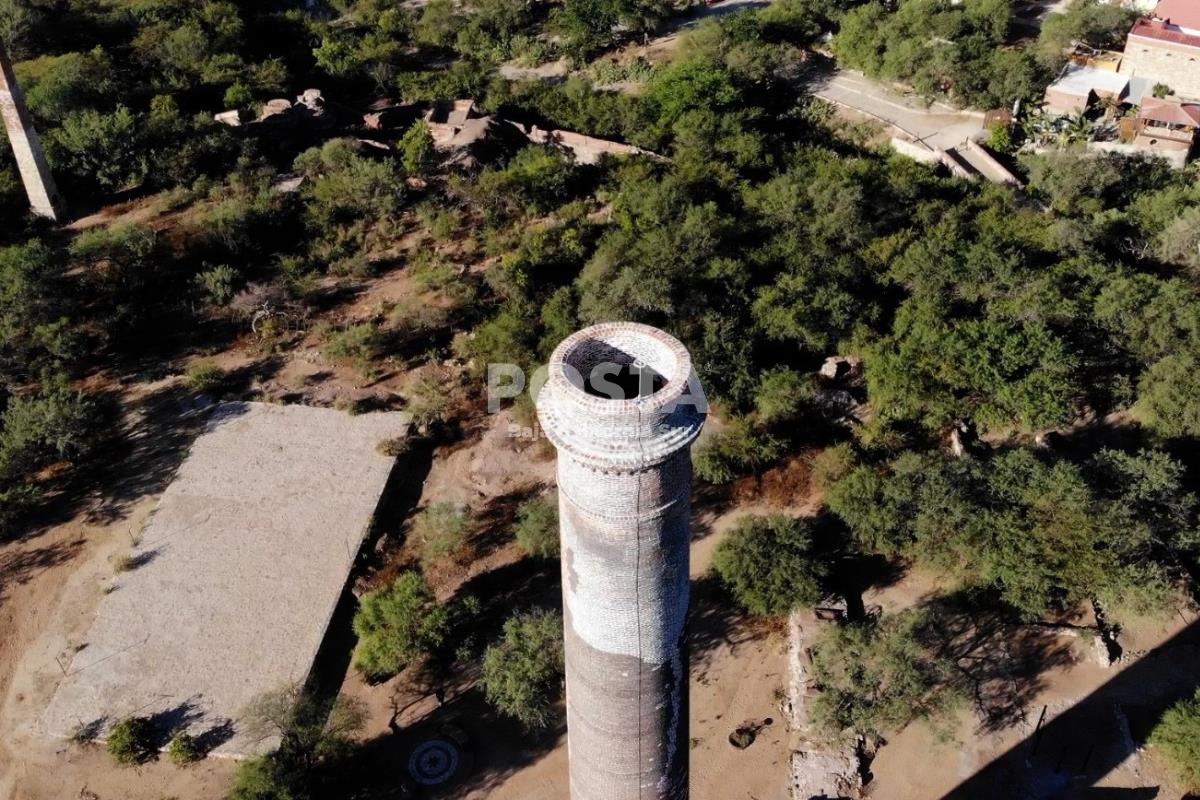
[
  {"x": 23, "y": 139},
  {"x": 624, "y": 480}
]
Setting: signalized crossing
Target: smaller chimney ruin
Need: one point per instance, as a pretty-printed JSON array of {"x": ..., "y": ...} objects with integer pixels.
[{"x": 44, "y": 199}]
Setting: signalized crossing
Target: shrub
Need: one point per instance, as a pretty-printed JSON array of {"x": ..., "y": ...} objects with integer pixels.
[
  {"x": 205, "y": 376},
  {"x": 314, "y": 738},
  {"x": 536, "y": 530},
  {"x": 734, "y": 452},
  {"x": 184, "y": 749},
  {"x": 345, "y": 186},
  {"x": 441, "y": 530},
  {"x": 417, "y": 153},
  {"x": 428, "y": 401},
  {"x": 358, "y": 344},
  {"x": 876, "y": 676},
  {"x": 831, "y": 465},
  {"x": 398, "y": 624},
  {"x": 1177, "y": 734},
  {"x": 768, "y": 564},
  {"x": 131, "y": 741},
  {"x": 393, "y": 448},
  {"x": 522, "y": 673},
  {"x": 781, "y": 394},
  {"x": 218, "y": 284}
]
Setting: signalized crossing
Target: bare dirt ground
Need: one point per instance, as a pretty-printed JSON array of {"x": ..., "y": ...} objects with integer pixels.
[{"x": 1096, "y": 716}]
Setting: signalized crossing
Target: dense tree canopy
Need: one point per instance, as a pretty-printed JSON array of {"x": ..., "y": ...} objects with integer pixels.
[{"x": 1045, "y": 533}]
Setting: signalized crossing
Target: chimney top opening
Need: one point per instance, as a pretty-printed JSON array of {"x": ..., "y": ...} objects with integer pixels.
[{"x": 621, "y": 365}]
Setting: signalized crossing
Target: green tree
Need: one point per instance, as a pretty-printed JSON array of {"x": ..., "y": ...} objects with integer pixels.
[
  {"x": 1034, "y": 529},
  {"x": 56, "y": 85},
  {"x": 1177, "y": 735},
  {"x": 132, "y": 741},
  {"x": 782, "y": 393},
  {"x": 398, "y": 624},
  {"x": 1088, "y": 22},
  {"x": 536, "y": 530},
  {"x": 102, "y": 149},
  {"x": 1169, "y": 395},
  {"x": 523, "y": 672},
  {"x": 417, "y": 152},
  {"x": 769, "y": 564},
  {"x": 735, "y": 451},
  {"x": 877, "y": 677},
  {"x": 314, "y": 740}
]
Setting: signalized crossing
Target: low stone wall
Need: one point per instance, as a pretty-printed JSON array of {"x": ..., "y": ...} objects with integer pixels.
[{"x": 820, "y": 768}]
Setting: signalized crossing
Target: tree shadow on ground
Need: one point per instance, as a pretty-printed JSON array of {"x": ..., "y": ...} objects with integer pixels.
[
  {"x": 492, "y": 749},
  {"x": 716, "y": 621},
  {"x": 1001, "y": 663},
  {"x": 21, "y": 566},
  {"x": 1075, "y": 748},
  {"x": 494, "y": 525},
  {"x": 167, "y": 721},
  {"x": 377, "y": 562},
  {"x": 526, "y": 585},
  {"x": 144, "y": 455}
]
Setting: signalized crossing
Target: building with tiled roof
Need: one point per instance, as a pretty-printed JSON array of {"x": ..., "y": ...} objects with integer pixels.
[{"x": 1165, "y": 47}]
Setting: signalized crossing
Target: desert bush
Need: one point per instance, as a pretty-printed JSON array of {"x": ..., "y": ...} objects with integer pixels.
[
  {"x": 441, "y": 221},
  {"x": 345, "y": 186},
  {"x": 219, "y": 284},
  {"x": 877, "y": 676},
  {"x": 832, "y": 464},
  {"x": 1177, "y": 735},
  {"x": 734, "y": 452},
  {"x": 434, "y": 273},
  {"x": 441, "y": 529},
  {"x": 359, "y": 344},
  {"x": 417, "y": 153},
  {"x": 205, "y": 376},
  {"x": 398, "y": 624},
  {"x": 536, "y": 530},
  {"x": 428, "y": 401},
  {"x": 769, "y": 564},
  {"x": 393, "y": 448},
  {"x": 314, "y": 741},
  {"x": 522, "y": 673},
  {"x": 184, "y": 749},
  {"x": 131, "y": 741}
]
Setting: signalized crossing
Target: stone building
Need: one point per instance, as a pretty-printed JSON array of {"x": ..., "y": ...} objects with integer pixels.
[
  {"x": 624, "y": 479},
  {"x": 1165, "y": 47}
]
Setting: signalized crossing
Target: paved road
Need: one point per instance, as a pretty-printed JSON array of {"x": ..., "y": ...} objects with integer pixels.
[{"x": 936, "y": 125}]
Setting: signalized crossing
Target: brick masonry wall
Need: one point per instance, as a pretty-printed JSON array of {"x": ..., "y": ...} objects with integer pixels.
[
  {"x": 1175, "y": 65},
  {"x": 624, "y": 476}
]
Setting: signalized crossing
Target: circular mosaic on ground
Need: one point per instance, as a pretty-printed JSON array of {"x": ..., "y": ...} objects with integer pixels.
[{"x": 433, "y": 762}]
